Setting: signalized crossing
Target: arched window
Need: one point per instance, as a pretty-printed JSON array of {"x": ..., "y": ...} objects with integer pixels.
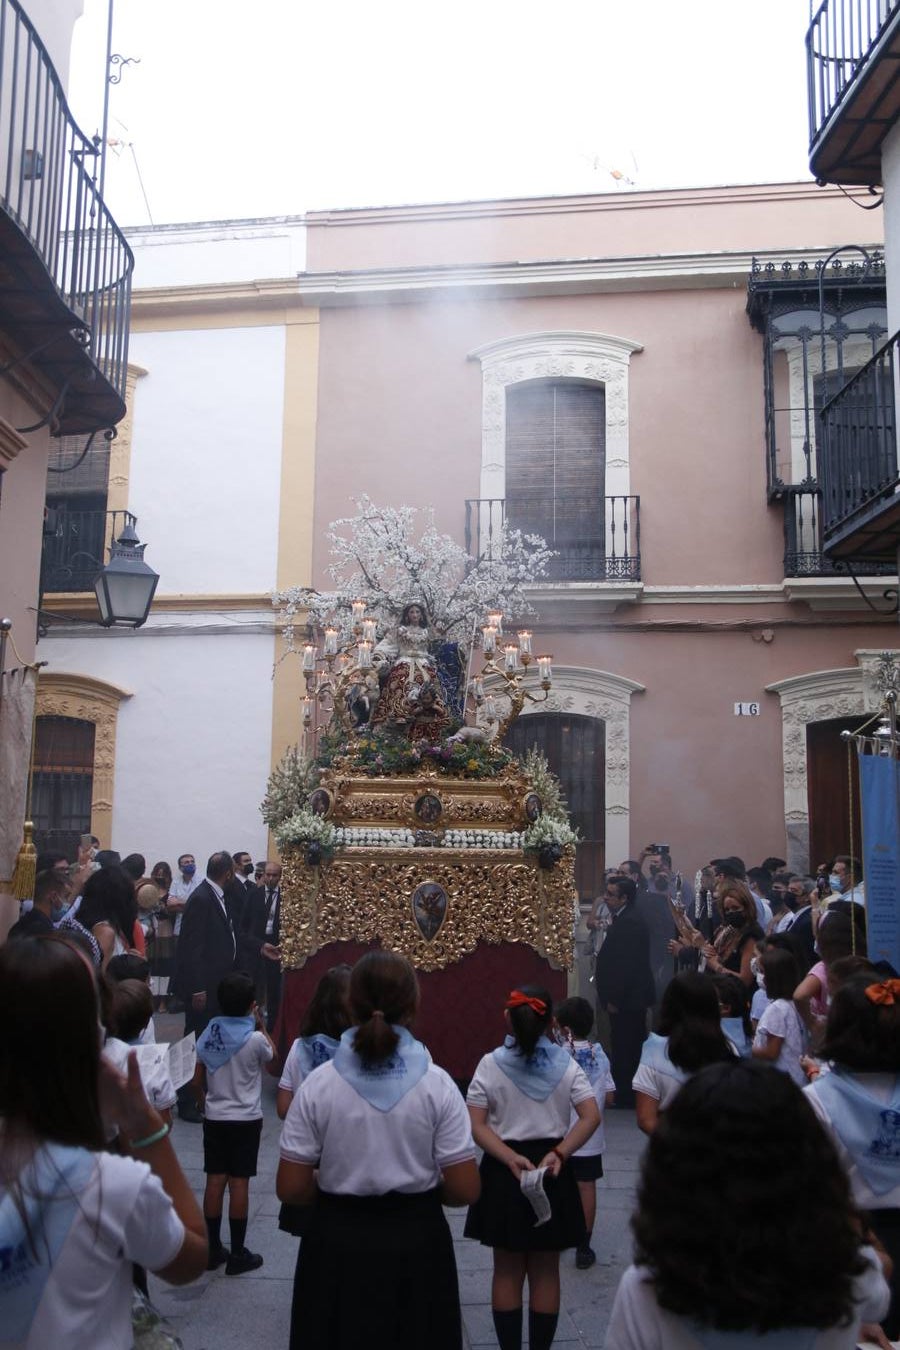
[
  {"x": 575, "y": 750},
  {"x": 63, "y": 782}
]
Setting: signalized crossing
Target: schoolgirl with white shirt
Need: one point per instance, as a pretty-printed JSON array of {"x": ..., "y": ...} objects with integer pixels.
[
  {"x": 378, "y": 1137},
  {"x": 858, "y": 1102},
  {"x": 781, "y": 1039},
  {"x": 73, "y": 1217},
  {"x": 324, "y": 1023},
  {"x": 520, "y": 1103}
]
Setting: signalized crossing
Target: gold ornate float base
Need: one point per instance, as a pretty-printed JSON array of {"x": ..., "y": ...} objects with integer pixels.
[{"x": 367, "y": 895}]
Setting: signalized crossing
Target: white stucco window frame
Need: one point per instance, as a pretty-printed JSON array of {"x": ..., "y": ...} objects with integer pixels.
[{"x": 597, "y": 358}]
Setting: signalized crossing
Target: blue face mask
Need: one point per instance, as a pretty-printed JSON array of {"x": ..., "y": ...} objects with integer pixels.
[
  {"x": 188, "y": 870},
  {"x": 834, "y": 881}
]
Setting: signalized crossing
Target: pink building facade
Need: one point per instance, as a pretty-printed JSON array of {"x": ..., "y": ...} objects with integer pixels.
[{"x": 588, "y": 366}]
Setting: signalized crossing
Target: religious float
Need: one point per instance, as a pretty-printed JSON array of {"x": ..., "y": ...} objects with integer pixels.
[{"x": 401, "y": 820}]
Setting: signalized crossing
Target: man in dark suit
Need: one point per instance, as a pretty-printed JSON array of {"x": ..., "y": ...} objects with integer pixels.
[
  {"x": 259, "y": 937},
  {"x": 207, "y": 951},
  {"x": 624, "y": 983},
  {"x": 240, "y": 888}
]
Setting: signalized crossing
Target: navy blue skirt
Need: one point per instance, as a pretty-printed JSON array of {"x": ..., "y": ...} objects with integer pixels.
[
  {"x": 502, "y": 1217},
  {"x": 376, "y": 1273}
]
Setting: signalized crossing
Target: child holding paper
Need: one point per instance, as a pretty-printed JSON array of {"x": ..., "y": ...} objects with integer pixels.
[{"x": 520, "y": 1101}]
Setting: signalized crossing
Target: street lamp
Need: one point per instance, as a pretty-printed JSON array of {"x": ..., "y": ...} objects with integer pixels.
[{"x": 126, "y": 585}]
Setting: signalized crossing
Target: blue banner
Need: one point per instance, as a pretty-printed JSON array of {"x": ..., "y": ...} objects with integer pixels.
[{"x": 879, "y": 786}]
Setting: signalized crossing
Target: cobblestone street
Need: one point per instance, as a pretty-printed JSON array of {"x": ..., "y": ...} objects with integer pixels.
[{"x": 220, "y": 1313}]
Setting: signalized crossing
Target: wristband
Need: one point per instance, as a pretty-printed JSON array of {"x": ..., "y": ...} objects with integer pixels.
[
  {"x": 151, "y": 1138},
  {"x": 559, "y": 1155}
]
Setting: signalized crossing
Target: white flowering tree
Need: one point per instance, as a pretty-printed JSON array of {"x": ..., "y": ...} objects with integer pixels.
[{"x": 390, "y": 557}]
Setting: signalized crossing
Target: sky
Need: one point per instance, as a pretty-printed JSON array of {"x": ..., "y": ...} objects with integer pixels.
[{"x": 241, "y": 110}]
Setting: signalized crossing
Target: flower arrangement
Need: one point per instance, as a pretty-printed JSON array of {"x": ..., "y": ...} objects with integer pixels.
[
  {"x": 482, "y": 839},
  {"x": 364, "y": 836},
  {"x": 379, "y": 754},
  {"x": 546, "y": 784},
  {"x": 289, "y": 786},
  {"x": 304, "y": 829},
  {"x": 549, "y": 834}
]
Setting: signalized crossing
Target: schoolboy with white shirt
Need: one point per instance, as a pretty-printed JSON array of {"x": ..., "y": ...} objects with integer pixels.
[{"x": 231, "y": 1053}]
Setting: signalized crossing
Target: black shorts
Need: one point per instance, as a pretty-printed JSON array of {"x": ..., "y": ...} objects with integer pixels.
[
  {"x": 587, "y": 1169},
  {"x": 231, "y": 1147}
]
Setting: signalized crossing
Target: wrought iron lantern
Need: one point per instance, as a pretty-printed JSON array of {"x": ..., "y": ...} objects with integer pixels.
[{"x": 126, "y": 585}]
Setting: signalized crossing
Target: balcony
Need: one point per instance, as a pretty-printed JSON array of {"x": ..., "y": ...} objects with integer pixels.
[
  {"x": 613, "y": 554},
  {"x": 76, "y": 544},
  {"x": 803, "y": 551},
  {"x": 858, "y": 464},
  {"x": 853, "y": 64},
  {"x": 65, "y": 268}
]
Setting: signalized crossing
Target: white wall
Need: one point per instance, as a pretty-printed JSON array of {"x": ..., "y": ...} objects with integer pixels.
[
  {"x": 206, "y": 457},
  {"x": 217, "y": 251},
  {"x": 54, "y": 21},
  {"x": 194, "y": 740},
  {"x": 890, "y": 170}
]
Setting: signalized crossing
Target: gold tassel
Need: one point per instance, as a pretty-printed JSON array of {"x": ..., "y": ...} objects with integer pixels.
[{"x": 26, "y": 866}]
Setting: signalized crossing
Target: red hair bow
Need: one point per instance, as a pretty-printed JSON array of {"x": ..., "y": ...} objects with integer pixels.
[
  {"x": 887, "y": 992},
  {"x": 519, "y": 1000}
]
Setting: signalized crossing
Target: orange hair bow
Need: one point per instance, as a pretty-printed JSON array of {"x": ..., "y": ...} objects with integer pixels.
[
  {"x": 887, "y": 992},
  {"x": 519, "y": 1000}
]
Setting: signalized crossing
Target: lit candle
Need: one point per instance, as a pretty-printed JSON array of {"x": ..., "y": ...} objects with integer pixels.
[
  {"x": 489, "y": 640},
  {"x": 331, "y": 639},
  {"x": 365, "y": 655},
  {"x": 525, "y": 642},
  {"x": 511, "y": 655},
  {"x": 544, "y": 665},
  {"x": 479, "y": 690},
  {"x": 369, "y": 627},
  {"x": 495, "y": 619},
  {"x": 358, "y": 610},
  {"x": 309, "y": 657},
  {"x": 307, "y": 712},
  {"x": 490, "y": 710}
]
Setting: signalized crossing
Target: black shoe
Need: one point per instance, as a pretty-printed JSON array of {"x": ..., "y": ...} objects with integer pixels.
[
  {"x": 584, "y": 1258},
  {"x": 240, "y": 1262},
  {"x": 217, "y": 1257},
  {"x": 191, "y": 1113}
]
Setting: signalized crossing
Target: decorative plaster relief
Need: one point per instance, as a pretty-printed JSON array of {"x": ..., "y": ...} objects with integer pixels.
[
  {"x": 89, "y": 700},
  {"x": 597, "y": 693}
]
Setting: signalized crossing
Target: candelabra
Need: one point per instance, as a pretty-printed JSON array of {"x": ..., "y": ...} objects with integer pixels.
[
  {"x": 507, "y": 663},
  {"x": 330, "y": 675}
]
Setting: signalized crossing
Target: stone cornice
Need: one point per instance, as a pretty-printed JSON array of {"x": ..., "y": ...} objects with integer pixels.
[{"x": 10, "y": 443}]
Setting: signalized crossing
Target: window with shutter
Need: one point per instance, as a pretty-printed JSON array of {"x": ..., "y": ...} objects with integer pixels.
[
  {"x": 556, "y": 470},
  {"x": 62, "y": 782}
]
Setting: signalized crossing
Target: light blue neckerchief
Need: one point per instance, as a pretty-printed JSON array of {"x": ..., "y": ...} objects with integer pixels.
[
  {"x": 592, "y": 1060},
  {"x": 222, "y": 1039},
  {"x": 733, "y": 1028},
  {"x": 537, "y": 1074},
  {"x": 868, "y": 1128},
  {"x": 50, "y": 1190},
  {"x": 792, "y": 1338},
  {"x": 383, "y": 1085},
  {"x": 311, "y": 1051},
  {"x": 655, "y": 1054}
]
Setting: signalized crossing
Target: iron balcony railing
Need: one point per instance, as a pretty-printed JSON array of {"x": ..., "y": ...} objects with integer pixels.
[
  {"x": 59, "y": 241},
  {"x": 803, "y": 555},
  {"x": 613, "y": 553},
  {"x": 858, "y": 454},
  {"x": 76, "y": 544},
  {"x": 840, "y": 40}
]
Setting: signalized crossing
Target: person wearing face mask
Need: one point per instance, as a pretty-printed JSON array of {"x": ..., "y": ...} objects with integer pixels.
[
  {"x": 51, "y": 900},
  {"x": 845, "y": 880},
  {"x": 180, "y": 889},
  {"x": 733, "y": 947},
  {"x": 240, "y": 889}
]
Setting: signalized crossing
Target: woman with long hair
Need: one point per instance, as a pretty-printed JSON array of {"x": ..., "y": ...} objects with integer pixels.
[
  {"x": 744, "y": 1228},
  {"x": 108, "y": 910},
  {"x": 379, "y": 1137},
  {"x": 688, "y": 1035},
  {"x": 74, "y": 1218},
  {"x": 734, "y": 943}
]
